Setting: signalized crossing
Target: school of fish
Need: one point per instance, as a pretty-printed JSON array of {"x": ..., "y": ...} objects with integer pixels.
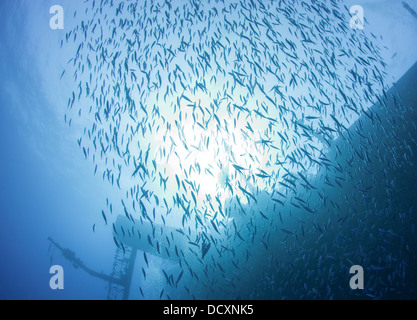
[{"x": 245, "y": 126}]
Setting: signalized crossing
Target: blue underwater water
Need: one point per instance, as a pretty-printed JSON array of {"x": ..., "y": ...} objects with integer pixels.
[{"x": 208, "y": 149}]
